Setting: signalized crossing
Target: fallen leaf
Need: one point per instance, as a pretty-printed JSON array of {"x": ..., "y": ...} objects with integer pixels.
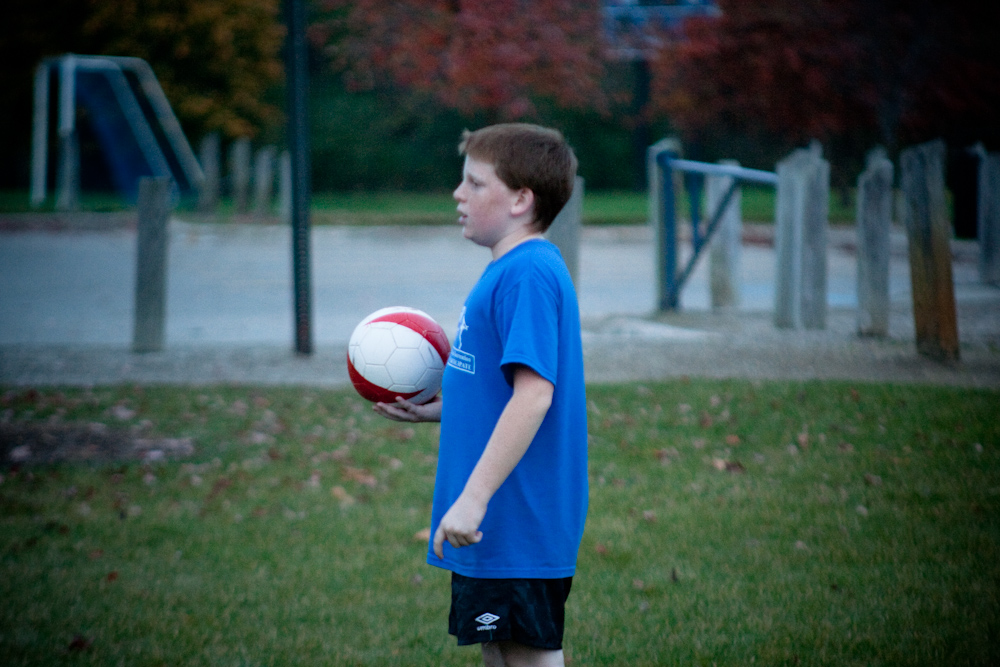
[
  {"x": 803, "y": 438},
  {"x": 732, "y": 440},
  {"x": 666, "y": 455},
  {"x": 122, "y": 412},
  {"x": 360, "y": 476},
  {"x": 258, "y": 438},
  {"x": 872, "y": 480},
  {"x": 112, "y": 576},
  {"x": 341, "y": 494},
  {"x": 728, "y": 466},
  {"x": 422, "y": 535},
  {"x": 20, "y": 453},
  {"x": 79, "y": 643},
  {"x": 403, "y": 434},
  {"x": 219, "y": 486}
]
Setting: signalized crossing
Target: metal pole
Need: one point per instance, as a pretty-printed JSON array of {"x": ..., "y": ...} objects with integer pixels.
[
  {"x": 669, "y": 293},
  {"x": 298, "y": 141}
]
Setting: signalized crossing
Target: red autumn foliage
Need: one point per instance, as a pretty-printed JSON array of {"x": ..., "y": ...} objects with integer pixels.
[
  {"x": 898, "y": 70},
  {"x": 498, "y": 56}
]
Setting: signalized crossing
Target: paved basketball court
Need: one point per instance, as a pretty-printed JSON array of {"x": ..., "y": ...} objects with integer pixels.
[{"x": 67, "y": 302}]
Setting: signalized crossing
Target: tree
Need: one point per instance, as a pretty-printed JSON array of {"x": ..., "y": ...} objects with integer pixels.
[
  {"x": 497, "y": 56},
  {"x": 216, "y": 59},
  {"x": 854, "y": 71}
]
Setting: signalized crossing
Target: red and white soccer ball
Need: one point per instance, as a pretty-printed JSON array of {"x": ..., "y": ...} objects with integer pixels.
[{"x": 397, "y": 351}]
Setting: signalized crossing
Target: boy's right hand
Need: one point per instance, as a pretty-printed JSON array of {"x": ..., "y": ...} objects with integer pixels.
[{"x": 405, "y": 411}]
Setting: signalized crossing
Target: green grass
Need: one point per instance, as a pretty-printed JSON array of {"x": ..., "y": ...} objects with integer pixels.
[
  {"x": 731, "y": 523},
  {"x": 413, "y": 208}
]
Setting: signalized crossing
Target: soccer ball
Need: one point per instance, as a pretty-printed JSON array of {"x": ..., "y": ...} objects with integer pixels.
[{"x": 397, "y": 351}]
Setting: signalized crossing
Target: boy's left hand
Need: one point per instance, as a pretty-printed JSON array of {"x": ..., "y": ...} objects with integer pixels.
[
  {"x": 460, "y": 525},
  {"x": 405, "y": 411}
]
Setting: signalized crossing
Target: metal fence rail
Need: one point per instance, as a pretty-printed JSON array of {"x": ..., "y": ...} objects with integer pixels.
[{"x": 694, "y": 182}]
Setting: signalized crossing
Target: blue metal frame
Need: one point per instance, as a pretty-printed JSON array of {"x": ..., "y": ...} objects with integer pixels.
[{"x": 694, "y": 182}]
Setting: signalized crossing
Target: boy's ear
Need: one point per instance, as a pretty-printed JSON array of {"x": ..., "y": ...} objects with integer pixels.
[{"x": 524, "y": 202}]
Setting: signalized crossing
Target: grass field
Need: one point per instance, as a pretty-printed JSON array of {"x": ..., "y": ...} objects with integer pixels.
[
  {"x": 408, "y": 208},
  {"x": 731, "y": 523}
]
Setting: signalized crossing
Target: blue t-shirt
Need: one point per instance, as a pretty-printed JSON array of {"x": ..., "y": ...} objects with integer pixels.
[{"x": 523, "y": 310}]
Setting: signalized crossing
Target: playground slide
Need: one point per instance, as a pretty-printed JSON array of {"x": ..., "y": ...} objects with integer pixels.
[{"x": 131, "y": 117}]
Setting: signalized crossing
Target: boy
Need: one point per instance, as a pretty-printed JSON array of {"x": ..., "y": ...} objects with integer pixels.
[{"x": 510, "y": 498}]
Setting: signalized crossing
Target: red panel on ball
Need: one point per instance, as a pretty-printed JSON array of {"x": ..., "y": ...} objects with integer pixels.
[
  {"x": 373, "y": 392},
  {"x": 424, "y": 326}
]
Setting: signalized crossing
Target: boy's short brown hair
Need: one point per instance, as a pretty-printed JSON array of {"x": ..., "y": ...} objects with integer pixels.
[{"x": 527, "y": 156}]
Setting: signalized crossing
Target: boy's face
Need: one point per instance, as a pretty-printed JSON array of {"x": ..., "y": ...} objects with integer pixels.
[{"x": 486, "y": 206}]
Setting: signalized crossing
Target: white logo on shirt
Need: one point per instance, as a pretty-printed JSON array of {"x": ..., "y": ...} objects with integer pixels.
[
  {"x": 459, "y": 358},
  {"x": 462, "y": 328}
]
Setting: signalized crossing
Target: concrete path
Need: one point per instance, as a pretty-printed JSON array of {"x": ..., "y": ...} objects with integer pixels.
[{"x": 66, "y": 308}]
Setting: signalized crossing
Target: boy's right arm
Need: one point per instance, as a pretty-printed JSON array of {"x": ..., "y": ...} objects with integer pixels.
[{"x": 405, "y": 411}]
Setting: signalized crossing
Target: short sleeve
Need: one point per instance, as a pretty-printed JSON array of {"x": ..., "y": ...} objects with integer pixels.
[{"x": 527, "y": 320}]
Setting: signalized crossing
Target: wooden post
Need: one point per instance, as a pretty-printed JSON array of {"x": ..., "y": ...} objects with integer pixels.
[
  {"x": 989, "y": 218},
  {"x": 726, "y": 244},
  {"x": 285, "y": 187},
  {"x": 208, "y": 195},
  {"x": 874, "y": 220},
  {"x": 239, "y": 174},
  {"x": 814, "y": 261},
  {"x": 151, "y": 264},
  {"x": 565, "y": 230},
  {"x": 40, "y": 136},
  {"x": 802, "y": 215},
  {"x": 263, "y": 181},
  {"x": 929, "y": 231}
]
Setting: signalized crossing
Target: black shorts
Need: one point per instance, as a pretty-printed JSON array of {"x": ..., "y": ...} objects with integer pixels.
[{"x": 528, "y": 611}]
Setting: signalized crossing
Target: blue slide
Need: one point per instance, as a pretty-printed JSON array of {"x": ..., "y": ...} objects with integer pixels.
[{"x": 131, "y": 118}]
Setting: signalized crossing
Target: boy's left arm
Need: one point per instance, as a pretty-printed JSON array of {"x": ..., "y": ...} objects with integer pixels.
[{"x": 513, "y": 433}]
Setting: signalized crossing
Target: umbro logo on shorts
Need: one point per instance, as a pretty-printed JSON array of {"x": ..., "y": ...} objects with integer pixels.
[{"x": 487, "y": 621}]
